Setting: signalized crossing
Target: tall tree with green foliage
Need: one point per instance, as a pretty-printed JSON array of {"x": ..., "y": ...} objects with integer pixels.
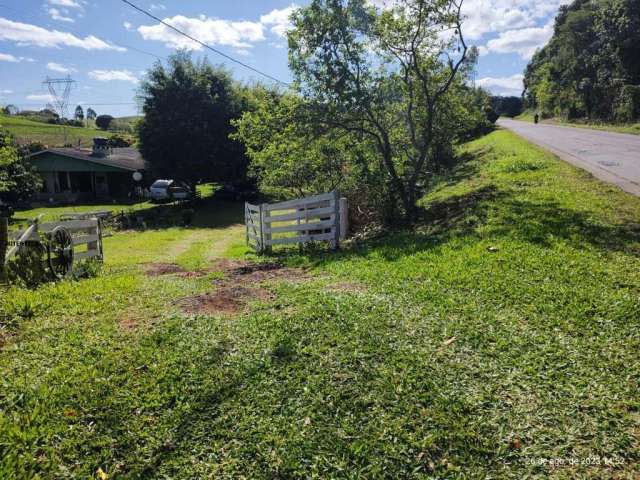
[
  {"x": 591, "y": 66},
  {"x": 18, "y": 179},
  {"x": 91, "y": 114},
  {"x": 384, "y": 75},
  {"x": 79, "y": 113},
  {"x": 188, "y": 112}
]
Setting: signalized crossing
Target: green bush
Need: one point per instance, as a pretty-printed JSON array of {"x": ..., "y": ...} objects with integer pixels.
[{"x": 627, "y": 107}]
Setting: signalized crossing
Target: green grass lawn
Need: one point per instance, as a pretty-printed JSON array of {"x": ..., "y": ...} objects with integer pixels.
[
  {"x": 499, "y": 339},
  {"x": 633, "y": 128},
  {"x": 51, "y": 135},
  {"x": 51, "y": 213}
]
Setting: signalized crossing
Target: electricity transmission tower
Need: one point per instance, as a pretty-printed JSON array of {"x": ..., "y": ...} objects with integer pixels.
[{"x": 60, "y": 90}]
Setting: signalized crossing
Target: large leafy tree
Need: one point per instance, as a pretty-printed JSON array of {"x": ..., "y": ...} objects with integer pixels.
[
  {"x": 591, "y": 66},
  {"x": 18, "y": 179},
  {"x": 188, "y": 111},
  {"x": 385, "y": 76},
  {"x": 79, "y": 113}
]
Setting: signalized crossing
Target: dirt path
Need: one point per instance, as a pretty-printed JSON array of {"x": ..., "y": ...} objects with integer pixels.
[{"x": 202, "y": 245}]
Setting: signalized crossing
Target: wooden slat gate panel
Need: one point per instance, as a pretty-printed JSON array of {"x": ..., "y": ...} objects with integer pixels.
[
  {"x": 253, "y": 223},
  {"x": 315, "y": 218}
]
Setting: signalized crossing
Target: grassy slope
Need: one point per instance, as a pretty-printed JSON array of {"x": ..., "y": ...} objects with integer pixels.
[
  {"x": 503, "y": 334},
  {"x": 634, "y": 128},
  {"x": 52, "y": 135}
]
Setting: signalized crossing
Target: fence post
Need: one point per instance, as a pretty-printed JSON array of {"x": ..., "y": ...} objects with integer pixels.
[
  {"x": 4, "y": 244},
  {"x": 266, "y": 237},
  {"x": 246, "y": 222},
  {"x": 344, "y": 218},
  {"x": 100, "y": 244},
  {"x": 335, "y": 243},
  {"x": 93, "y": 246}
]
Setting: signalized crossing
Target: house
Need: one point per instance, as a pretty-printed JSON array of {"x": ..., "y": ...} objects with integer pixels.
[{"x": 74, "y": 174}]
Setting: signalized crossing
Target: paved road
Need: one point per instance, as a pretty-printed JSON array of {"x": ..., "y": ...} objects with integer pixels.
[{"x": 612, "y": 157}]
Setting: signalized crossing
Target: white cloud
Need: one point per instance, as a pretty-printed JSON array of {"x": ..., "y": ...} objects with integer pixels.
[
  {"x": 45, "y": 97},
  {"x": 127, "y": 26},
  {"x": 26, "y": 34},
  {"x": 503, "y": 85},
  {"x": 213, "y": 31},
  {"x": 278, "y": 20},
  {"x": 58, "y": 15},
  {"x": 113, "y": 75},
  {"x": 524, "y": 41},
  {"x": 56, "y": 67},
  {"x": 65, "y": 3},
  {"x": 7, "y": 57},
  {"x": 6, "y": 92},
  {"x": 240, "y": 35},
  {"x": 490, "y": 16},
  {"x": 157, "y": 6}
]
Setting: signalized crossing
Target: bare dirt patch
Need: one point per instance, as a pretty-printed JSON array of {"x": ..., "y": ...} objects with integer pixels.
[
  {"x": 258, "y": 272},
  {"x": 226, "y": 299},
  {"x": 5, "y": 336},
  {"x": 128, "y": 322},
  {"x": 159, "y": 269},
  {"x": 241, "y": 284}
]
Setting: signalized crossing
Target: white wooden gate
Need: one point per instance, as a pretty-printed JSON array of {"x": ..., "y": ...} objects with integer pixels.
[{"x": 309, "y": 219}]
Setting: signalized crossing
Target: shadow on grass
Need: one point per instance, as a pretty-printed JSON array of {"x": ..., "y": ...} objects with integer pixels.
[
  {"x": 501, "y": 216},
  {"x": 207, "y": 213}
]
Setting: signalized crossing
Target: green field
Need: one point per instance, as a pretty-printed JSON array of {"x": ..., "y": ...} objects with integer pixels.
[
  {"x": 51, "y": 135},
  {"x": 633, "y": 129},
  {"x": 498, "y": 339}
]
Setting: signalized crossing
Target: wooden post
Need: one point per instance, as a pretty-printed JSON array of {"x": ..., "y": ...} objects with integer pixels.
[
  {"x": 344, "y": 218},
  {"x": 4, "y": 244},
  {"x": 93, "y": 246},
  {"x": 246, "y": 221},
  {"x": 335, "y": 243},
  {"x": 266, "y": 237},
  {"x": 101, "y": 245}
]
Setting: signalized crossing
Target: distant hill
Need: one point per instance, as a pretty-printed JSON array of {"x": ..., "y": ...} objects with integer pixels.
[
  {"x": 27, "y": 131},
  {"x": 125, "y": 124},
  {"x": 51, "y": 135}
]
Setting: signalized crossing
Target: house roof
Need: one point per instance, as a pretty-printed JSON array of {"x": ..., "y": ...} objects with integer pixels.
[{"x": 123, "y": 158}]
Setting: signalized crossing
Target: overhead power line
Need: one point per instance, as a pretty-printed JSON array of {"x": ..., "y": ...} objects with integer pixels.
[
  {"x": 88, "y": 104},
  {"x": 199, "y": 42}
]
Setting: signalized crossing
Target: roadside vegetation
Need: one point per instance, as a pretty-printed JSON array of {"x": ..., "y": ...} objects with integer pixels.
[
  {"x": 497, "y": 336},
  {"x": 590, "y": 69},
  {"x": 633, "y": 128}
]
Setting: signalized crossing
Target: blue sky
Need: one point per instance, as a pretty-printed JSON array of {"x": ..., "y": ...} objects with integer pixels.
[{"x": 106, "y": 46}]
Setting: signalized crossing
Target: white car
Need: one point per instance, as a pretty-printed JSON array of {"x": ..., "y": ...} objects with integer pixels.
[{"x": 168, "y": 190}]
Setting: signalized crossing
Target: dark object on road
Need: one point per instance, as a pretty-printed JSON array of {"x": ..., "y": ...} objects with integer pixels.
[{"x": 536, "y": 118}]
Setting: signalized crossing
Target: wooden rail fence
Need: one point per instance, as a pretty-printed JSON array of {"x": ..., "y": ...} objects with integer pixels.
[
  {"x": 74, "y": 239},
  {"x": 316, "y": 218}
]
